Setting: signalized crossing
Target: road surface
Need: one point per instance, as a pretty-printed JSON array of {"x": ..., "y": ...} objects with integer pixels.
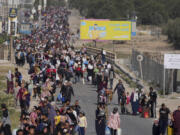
[{"x": 130, "y": 125}]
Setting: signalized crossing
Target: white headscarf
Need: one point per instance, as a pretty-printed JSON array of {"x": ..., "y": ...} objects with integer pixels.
[
  {"x": 9, "y": 75},
  {"x": 135, "y": 96}
]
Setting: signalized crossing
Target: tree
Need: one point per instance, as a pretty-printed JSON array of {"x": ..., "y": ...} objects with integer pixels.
[
  {"x": 149, "y": 12},
  {"x": 172, "y": 30}
]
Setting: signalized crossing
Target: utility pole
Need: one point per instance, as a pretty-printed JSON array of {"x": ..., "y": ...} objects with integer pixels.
[
  {"x": 11, "y": 57},
  {"x": 11, "y": 38},
  {"x": 40, "y": 9}
]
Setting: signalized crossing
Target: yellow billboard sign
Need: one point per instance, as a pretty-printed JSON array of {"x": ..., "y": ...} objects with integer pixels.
[{"x": 105, "y": 30}]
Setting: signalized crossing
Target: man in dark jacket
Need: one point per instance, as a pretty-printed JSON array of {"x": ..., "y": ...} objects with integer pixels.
[
  {"x": 153, "y": 98},
  {"x": 120, "y": 90},
  {"x": 68, "y": 75},
  {"x": 67, "y": 90}
]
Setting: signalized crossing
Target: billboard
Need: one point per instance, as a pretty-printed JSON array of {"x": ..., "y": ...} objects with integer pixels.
[
  {"x": 13, "y": 12},
  {"x": 105, "y": 30},
  {"x": 25, "y": 28}
]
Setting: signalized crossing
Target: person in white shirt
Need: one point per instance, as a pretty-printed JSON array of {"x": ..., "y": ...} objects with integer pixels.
[{"x": 82, "y": 123}]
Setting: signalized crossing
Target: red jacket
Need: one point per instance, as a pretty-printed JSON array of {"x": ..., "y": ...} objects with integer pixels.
[{"x": 20, "y": 93}]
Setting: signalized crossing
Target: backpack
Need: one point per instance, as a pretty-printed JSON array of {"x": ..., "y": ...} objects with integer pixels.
[
  {"x": 22, "y": 55},
  {"x": 59, "y": 97},
  {"x": 107, "y": 131},
  {"x": 106, "y": 73}
]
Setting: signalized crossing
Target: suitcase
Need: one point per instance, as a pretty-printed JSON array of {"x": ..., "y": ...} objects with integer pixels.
[
  {"x": 119, "y": 131},
  {"x": 146, "y": 114},
  {"x": 170, "y": 131}
]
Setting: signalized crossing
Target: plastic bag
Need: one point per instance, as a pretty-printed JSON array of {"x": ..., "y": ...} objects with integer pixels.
[
  {"x": 90, "y": 78},
  {"x": 107, "y": 131},
  {"x": 119, "y": 131}
]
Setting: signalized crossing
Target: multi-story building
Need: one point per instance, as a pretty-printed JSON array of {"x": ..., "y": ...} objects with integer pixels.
[
  {"x": 13, "y": 3},
  {"x": 4, "y": 9},
  {"x": 5, "y": 5}
]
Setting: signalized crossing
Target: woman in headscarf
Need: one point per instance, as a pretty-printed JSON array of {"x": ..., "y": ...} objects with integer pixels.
[
  {"x": 10, "y": 84},
  {"x": 51, "y": 116},
  {"x": 21, "y": 95},
  {"x": 45, "y": 93},
  {"x": 100, "y": 122},
  {"x": 114, "y": 121},
  {"x": 16, "y": 90},
  {"x": 135, "y": 102}
]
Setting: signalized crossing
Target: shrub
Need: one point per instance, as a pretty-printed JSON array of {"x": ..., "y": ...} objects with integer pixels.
[{"x": 172, "y": 30}]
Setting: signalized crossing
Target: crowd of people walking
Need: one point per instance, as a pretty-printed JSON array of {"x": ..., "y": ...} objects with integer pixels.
[{"x": 51, "y": 62}]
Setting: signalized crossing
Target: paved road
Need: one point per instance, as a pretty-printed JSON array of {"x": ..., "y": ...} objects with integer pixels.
[{"x": 131, "y": 125}]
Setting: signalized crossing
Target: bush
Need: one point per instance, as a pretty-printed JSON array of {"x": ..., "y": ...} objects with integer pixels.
[
  {"x": 3, "y": 38},
  {"x": 172, "y": 30},
  {"x": 8, "y": 99},
  {"x": 149, "y": 12}
]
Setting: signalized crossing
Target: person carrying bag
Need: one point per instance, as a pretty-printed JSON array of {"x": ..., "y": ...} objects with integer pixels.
[{"x": 114, "y": 122}]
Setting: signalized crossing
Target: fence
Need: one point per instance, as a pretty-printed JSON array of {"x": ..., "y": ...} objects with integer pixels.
[
  {"x": 3, "y": 52},
  {"x": 152, "y": 69},
  {"x": 110, "y": 56}
]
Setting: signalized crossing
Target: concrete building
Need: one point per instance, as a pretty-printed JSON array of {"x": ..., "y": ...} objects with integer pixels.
[
  {"x": 4, "y": 9},
  {"x": 5, "y": 5}
]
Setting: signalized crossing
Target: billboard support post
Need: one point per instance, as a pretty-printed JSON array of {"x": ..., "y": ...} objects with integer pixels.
[
  {"x": 164, "y": 81},
  {"x": 140, "y": 65},
  {"x": 172, "y": 86},
  {"x": 113, "y": 48},
  {"x": 95, "y": 43}
]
